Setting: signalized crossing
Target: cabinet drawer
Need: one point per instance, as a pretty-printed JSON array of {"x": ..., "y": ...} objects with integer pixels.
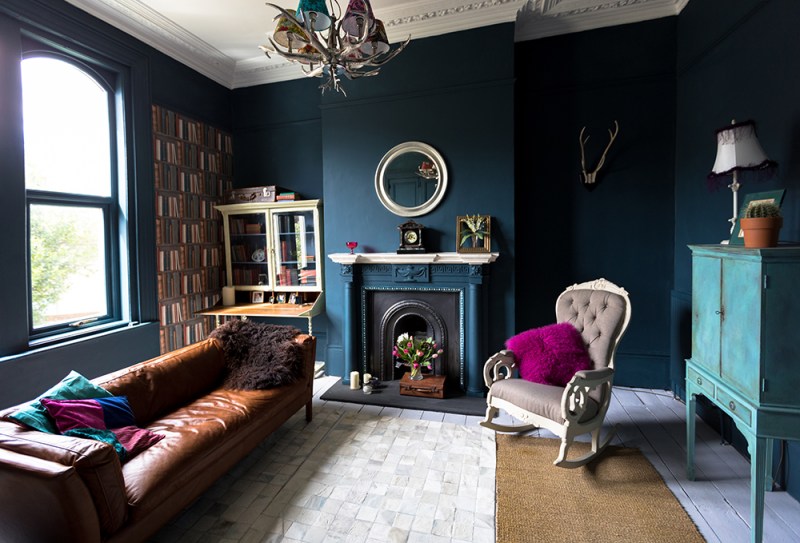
[
  {"x": 701, "y": 382},
  {"x": 736, "y": 408}
]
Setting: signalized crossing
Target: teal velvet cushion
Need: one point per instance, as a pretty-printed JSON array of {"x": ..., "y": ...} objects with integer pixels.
[{"x": 72, "y": 387}]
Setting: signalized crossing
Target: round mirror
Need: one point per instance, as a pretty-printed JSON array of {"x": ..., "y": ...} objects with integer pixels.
[{"x": 411, "y": 179}]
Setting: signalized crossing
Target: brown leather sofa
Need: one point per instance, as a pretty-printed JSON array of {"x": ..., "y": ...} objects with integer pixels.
[{"x": 67, "y": 489}]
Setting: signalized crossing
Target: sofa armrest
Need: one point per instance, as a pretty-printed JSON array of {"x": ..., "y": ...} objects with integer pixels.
[
  {"x": 93, "y": 463},
  {"x": 44, "y": 501}
]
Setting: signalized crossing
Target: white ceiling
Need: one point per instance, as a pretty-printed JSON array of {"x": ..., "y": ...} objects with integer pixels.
[{"x": 220, "y": 38}]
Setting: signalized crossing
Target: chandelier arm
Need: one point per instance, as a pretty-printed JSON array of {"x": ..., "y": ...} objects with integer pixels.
[
  {"x": 315, "y": 72},
  {"x": 356, "y": 75},
  {"x": 288, "y": 55},
  {"x": 377, "y": 60}
]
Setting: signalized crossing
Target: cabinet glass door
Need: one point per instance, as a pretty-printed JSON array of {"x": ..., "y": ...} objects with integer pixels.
[
  {"x": 295, "y": 250},
  {"x": 248, "y": 245}
]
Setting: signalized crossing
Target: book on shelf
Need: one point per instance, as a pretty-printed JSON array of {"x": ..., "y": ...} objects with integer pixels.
[
  {"x": 192, "y": 167},
  {"x": 286, "y": 196}
]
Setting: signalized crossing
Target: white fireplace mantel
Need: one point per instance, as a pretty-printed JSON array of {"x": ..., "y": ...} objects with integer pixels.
[{"x": 414, "y": 258}]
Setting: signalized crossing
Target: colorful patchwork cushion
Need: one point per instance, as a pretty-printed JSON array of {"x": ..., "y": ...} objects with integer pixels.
[
  {"x": 103, "y": 413},
  {"x": 550, "y": 355},
  {"x": 109, "y": 420},
  {"x": 127, "y": 442},
  {"x": 73, "y": 387}
]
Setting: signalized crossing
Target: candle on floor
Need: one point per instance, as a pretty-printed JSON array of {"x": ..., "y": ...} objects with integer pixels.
[
  {"x": 367, "y": 378},
  {"x": 354, "y": 385}
]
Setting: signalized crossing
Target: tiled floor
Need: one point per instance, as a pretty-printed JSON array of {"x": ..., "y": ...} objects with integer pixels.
[
  {"x": 354, "y": 475},
  {"x": 370, "y": 474}
]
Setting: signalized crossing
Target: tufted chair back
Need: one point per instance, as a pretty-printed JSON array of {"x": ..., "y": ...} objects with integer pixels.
[{"x": 600, "y": 311}]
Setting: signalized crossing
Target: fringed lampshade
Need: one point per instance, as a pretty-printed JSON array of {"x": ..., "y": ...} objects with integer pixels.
[{"x": 738, "y": 150}]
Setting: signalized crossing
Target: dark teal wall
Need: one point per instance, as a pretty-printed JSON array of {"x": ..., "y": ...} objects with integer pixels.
[
  {"x": 328, "y": 146},
  {"x": 183, "y": 90},
  {"x": 150, "y": 76},
  {"x": 511, "y": 149},
  {"x": 737, "y": 59},
  {"x": 277, "y": 137},
  {"x": 621, "y": 230}
]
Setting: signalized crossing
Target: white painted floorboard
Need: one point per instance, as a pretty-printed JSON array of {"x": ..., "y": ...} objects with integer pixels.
[{"x": 718, "y": 501}]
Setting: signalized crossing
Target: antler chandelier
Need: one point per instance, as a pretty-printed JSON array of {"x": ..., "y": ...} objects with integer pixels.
[{"x": 330, "y": 45}]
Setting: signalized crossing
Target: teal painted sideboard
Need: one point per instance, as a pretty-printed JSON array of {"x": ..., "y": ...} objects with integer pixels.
[{"x": 746, "y": 352}]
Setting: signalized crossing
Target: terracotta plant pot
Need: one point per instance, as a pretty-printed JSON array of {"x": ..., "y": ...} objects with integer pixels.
[{"x": 761, "y": 232}]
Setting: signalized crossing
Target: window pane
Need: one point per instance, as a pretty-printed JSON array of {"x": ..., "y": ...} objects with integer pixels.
[
  {"x": 68, "y": 271},
  {"x": 66, "y": 129}
]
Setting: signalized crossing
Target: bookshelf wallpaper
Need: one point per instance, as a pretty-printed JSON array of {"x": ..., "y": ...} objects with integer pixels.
[{"x": 193, "y": 172}]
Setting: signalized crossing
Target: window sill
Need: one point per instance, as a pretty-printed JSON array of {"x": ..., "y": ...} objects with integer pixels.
[{"x": 79, "y": 336}]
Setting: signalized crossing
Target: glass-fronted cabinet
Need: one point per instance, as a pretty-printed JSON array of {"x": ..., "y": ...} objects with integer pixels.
[{"x": 273, "y": 262}]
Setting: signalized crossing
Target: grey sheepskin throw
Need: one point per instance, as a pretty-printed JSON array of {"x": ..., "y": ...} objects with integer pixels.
[{"x": 259, "y": 356}]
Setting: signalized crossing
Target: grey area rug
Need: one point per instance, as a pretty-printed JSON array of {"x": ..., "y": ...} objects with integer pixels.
[{"x": 389, "y": 396}]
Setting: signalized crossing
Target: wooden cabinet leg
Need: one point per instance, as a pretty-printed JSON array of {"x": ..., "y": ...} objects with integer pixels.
[
  {"x": 691, "y": 407},
  {"x": 758, "y": 453}
]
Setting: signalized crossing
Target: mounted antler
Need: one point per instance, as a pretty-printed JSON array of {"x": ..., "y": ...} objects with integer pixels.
[{"x": 589, "y": 177}]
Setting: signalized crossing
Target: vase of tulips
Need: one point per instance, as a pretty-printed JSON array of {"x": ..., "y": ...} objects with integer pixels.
[{"x": 416, "y": 353}]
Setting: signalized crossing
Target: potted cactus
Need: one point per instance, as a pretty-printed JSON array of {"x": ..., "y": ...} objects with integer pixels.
[{"x": 761, "y": 224}]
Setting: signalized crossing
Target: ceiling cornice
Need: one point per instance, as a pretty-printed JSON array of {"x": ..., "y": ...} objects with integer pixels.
[
  {"x": 543, "y": 18},
  {"x": 415, "y": 18},
  {"x": 147, "y": 25}
]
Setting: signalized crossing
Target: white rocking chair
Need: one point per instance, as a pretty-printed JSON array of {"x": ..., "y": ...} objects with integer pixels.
[{"x": 601, "y": 311}]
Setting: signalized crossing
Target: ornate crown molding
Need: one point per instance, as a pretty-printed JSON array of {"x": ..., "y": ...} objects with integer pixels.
[
  {"x": 149, "y": 26},
  {"x": 543, "y": 18},
  {"x": 417, "y": 18}
]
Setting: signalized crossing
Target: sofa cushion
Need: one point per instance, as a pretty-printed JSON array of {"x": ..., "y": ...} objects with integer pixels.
[
  {"x": 109, "y": 420},
  {"x": 202, "y": 440},
  {"x": 72, "y": 387},
  {"x": 550, "y": 355},
  {"x": 101, "y": 413},
  {"x": 162, "y": 384}
]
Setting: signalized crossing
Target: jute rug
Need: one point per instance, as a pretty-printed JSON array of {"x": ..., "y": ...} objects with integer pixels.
[{"x": 619, "y": 497}]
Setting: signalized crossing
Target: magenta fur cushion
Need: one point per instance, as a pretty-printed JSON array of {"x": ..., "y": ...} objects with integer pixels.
[{"x": 550, "y": 355}]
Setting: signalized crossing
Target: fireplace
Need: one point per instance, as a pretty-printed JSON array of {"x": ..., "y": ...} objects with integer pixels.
[
  {"x": 439, "y": 295},
  {"x": 421, "y": 312}
]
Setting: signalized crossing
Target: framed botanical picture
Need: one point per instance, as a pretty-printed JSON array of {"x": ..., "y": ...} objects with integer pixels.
[
  {"x": 280, "y": 298},
  {"x": 473, "y": 234},
  {"x": 257, "y": 297},
  {"x": 771, "y": 196}
]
